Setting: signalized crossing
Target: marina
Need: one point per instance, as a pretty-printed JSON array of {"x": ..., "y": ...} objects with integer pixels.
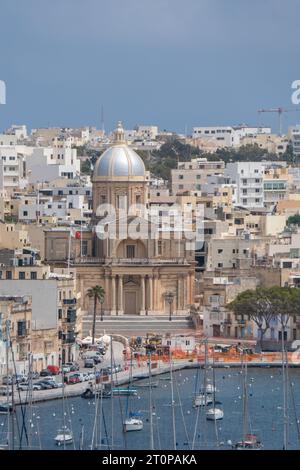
[{"x": 189, "y": 426}]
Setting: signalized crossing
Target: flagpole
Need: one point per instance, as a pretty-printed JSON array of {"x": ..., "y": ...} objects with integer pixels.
[
  {"x": 81, "y": 239},
  {"x": 69, "y": 252}
]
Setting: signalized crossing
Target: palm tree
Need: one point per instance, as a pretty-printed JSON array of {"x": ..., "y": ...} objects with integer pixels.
[{"x": 98, "y": 293}]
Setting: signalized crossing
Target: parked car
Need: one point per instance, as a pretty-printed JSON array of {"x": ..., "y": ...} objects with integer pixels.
[
  {"x": 72, "y": 365},
  {"x": 65, "y": 369},
  {"x": 44, "y": 385},
  {"x": 45, "y": 373},
  {"x": 73, "y": 379},
  {"x": 52, "y": 383},
  {"x": 7, "y": 380},
  {"x": 3, "y": 391},
  {"x": 23, "y": 386},
  {"x": 89, "y": 363},
  {"x": 54, "y": 370}
]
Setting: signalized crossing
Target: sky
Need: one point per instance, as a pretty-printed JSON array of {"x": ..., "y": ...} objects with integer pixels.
[{"x": 174, "y": 63}]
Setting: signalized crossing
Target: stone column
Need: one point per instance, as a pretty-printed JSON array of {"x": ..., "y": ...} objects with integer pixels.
[
  {"x": 150, "y": 306},
  {"x": 107, "y": 294},
  {"x": 142, "y": 311},
  {"x": 120, "y": 302},
  {"x": 113, "y": 295}
]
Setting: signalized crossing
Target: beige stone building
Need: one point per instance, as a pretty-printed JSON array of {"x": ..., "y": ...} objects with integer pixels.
[{"x": 136, "y": 269}]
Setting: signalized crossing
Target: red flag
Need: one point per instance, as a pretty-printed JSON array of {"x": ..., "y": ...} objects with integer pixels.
[{"x": 75, "y": 233}]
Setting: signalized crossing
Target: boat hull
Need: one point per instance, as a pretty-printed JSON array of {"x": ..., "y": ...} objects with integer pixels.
[
  {"x": 133, "y": 425},
  {"x": 214, "y": 414}
]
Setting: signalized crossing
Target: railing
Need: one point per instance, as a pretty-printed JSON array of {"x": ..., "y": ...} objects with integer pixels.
[
  {"x": 69, "y": 301},
  {"x": 130, "y": 261}
]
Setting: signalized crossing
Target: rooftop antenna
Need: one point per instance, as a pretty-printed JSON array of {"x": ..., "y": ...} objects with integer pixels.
[{"x": 102, "y": 118}]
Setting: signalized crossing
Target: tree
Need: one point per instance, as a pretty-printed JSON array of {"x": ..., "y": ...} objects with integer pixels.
[
  {"x": 294, "y": 220},
  {"x": 255, "y": 305},
  {"x": 263, "y": 305},
  {"x": 98, "y": 293}
]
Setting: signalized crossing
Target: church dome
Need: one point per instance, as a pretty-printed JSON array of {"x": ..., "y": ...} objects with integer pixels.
[{"x": 119, "y": 160}]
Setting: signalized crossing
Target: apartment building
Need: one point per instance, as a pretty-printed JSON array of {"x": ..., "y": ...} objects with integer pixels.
[
  {"x": 294, "y": 137},
  {"x": 191, "y": 176},
  {"x": 248, "y": 178},
  {"x": 21, "y": 273}
]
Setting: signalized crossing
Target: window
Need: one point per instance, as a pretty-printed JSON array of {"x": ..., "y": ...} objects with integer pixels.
[
  {"x": 130, "y": 251},
  {"x": 8, "y": 275},
  {"x": 33, "y": 275},
  {"x": 159, "y": 247},
  {"x": 220, "y": 250},
  {"x": 84, "y": 248},
  {"x": 25, "y": 213},
  {"x": 21, "y": 328},
  {"x": 220, "y": 265},
  {"x": 180, "y": 177},
  {"x": 59, "y": 313},
  {"x": 22, "y": 275},
  {"x": 257, "y": 200}
]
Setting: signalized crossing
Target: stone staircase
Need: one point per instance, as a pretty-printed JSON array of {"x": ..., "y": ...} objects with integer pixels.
[{"x": 135, "y": 325}]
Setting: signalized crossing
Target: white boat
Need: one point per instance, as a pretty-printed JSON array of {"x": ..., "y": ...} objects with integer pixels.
[
  {"x": 64, "y": 436},
  {"x": 199, "y": 400},
  {"x": 251, "y": 442},
  {"x": 214, "y": 414},
  {"x": 210, "y": 388},
  {"x": 133, "y": 424}
]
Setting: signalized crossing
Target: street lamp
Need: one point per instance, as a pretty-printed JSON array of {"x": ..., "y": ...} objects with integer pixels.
[
  {"x": 169, "y": 296},
  {"x": 101, "y": 308}
]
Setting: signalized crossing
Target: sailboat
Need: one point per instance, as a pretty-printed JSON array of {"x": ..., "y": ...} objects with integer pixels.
[
  {"x": 214, "y": 414},
  {"x": 134, "y": 421},
  {"x": 202, "y": 397},
  {"x": 249, "y": 441},
  {"x": 64, "y": 436}
]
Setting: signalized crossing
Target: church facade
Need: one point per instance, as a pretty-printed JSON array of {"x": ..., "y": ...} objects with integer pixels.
[{"x": 143, "y": 269}]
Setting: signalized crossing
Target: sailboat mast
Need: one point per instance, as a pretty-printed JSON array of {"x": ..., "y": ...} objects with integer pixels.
[
  {"x": 7, "y": 383},
  {"x": 172, "y": 404},
  {"x": 284, "y": 390},
  {"x": 245, "y": 398},
  {"x": 111, "y": 393},
  {"x": 150, "y": 405}
]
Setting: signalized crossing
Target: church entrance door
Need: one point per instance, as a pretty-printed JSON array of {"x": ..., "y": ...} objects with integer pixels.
[{"x": 130, "y": 303}]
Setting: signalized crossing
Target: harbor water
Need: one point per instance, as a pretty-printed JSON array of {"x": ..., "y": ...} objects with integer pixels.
[{"x": 191, "y": 429}]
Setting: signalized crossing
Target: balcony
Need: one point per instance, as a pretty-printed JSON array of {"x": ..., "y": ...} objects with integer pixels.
[
  {"x": 68, "y": 338},
  {"x": 70, "y": 301},
  {"x": 71, "y": 316}
]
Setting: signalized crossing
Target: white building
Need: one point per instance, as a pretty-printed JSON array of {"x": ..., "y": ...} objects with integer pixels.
[
  {"x": 249, "y": 180},
  {"x": 12, "y": 168},
  {"x": 228, "y": 136},
  {"x": 224, "y": 135},
  {"x": 294, "y": 136},
  {"x": 49, "y": 163},
  {"x": 147, "y": 132}
]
